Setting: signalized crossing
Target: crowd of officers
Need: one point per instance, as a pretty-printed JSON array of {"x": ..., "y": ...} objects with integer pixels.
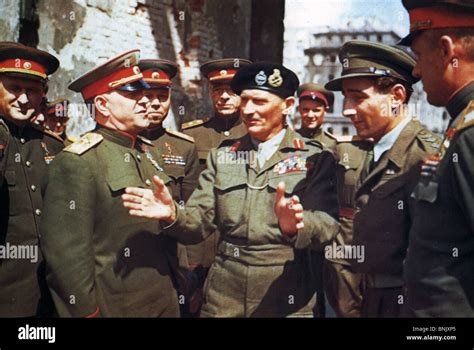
[{"x": 241, "y": 214}]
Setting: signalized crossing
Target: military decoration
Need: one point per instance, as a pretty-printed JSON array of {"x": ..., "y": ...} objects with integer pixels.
[{"x": 290, "y": 165}]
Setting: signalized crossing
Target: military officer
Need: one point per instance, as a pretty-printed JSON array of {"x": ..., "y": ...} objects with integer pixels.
[
  {"x": 179, "y": 157},
  {"x": 209, "y": 133},
  {"x": 100, "y": 261},
  {"x": 376, "y": 83},
  {"x": 314, "y": 101},
  {"x": 25, "y": 154},
  {"x": 440, "y": 262},
  {"x": 343, "y": 285},
  {"x": 271, "y": 194}
]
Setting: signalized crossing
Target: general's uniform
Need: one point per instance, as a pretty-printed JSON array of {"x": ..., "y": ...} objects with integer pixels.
[
  {"x": 101, "y": 261},
  {"x": 384, "y": 210},
  {"x": 258, "y": 271},
  {"x": 343, "y": 285},
  {"x": 25, "y": 156}
]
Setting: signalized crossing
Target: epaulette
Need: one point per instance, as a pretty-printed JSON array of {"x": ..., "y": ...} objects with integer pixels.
[
  {"x": 72, "y": 138},
  {"x": 180, "y": 135},
  {"x": 427, "y": 137},
  {"x": 85, "y": 143},
  {"x": 194, "y": 123},
  {"x": 145, "y": 140},
  {"x": 468, "y": 116},
  {"x": 350, "y": 138}
]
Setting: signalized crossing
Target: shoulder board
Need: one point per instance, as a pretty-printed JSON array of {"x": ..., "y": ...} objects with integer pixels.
[
  {"x": 194, "y": 123},
  {"x": 180, "y": 135},
  {"x": 72, "y": 138},
  {"x": 427, "y": 137},
  {"x": 145, "y": 140},
  {"x": 85, "y": 143},
  {"x": 350, "y": 138},
  {"x": 468, "y": 115}
]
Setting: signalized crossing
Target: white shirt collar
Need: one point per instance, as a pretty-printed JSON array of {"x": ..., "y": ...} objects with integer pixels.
[
  {"x": 265, "y": 149},
  {"x": 388, "y": 140}
]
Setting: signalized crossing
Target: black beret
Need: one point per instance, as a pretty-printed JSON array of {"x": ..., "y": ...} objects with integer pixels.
[{"x": 267, "y": 76}]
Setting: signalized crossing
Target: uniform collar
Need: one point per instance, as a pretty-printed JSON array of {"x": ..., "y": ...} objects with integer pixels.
[
  {"x": 389, "y": 139},
  {"x": 117, "y": 136},
  {"x": 311, "y": 133},
  {"x": 16, "y": 129},
  {"x": 155, "y": 133},
  {"x": 460, "y": 100},
  {"x": 225, "y": 123}
]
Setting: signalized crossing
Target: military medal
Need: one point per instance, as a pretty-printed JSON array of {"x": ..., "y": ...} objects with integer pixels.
[
  {"x": 150, "y": 158},
  {"x": 48, "y": 158},
  {"x": 290, "y": 165}
]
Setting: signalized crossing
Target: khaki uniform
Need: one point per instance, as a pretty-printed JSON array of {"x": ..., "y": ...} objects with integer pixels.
[
  {"x": 101, "y": 260},
  {"x": 25, "y": 157},
  {"x": 384, "y": 214},
  {"x": 258, "y": 271},
  {"x": 342, "y": 284},
  {"x": 208, "y": 134},
  {"x": 326, "y": 139}
]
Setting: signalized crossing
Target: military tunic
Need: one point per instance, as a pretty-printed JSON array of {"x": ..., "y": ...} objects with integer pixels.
[
  {"x": 208, "y": 134},
  {"x": 258, "y": 271},
  {"x": 343, "y": 285},
  {"x": 101, "y": 260},
  {"x": 25, "y": 155},
  {"x": 440, "y": 263},
  {"x": 384, "y": 214}
]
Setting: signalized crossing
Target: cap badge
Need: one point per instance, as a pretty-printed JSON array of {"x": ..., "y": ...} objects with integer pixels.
[
  {"x": 136, "y": 70},
  {"x": 260, "y": 78},
  {"x": 275, "y": 80},
  {"x": 223, "y": 72},
  {"x": 155, "y": 75},
  {"x": 27, "y": 65}
]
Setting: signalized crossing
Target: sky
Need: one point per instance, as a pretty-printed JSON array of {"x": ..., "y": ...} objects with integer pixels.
[{"x": 312, "y": 13}]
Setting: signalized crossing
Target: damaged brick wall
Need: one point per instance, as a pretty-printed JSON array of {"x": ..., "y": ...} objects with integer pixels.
[{"x": 85, "y": 33}]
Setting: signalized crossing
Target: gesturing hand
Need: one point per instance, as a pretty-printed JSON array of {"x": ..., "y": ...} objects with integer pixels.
[
  {"x": 156, "y": 204},
  {"x": 289, "y": 212}
]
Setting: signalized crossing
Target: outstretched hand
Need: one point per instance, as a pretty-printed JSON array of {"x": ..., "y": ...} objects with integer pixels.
[
  {"x": 289, "y": 212},
  {"x": 157, "y": 204}
]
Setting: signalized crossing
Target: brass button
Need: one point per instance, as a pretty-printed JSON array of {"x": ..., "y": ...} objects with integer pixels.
[
  {"x": 38, "y": 212},
  {"x": 28, "y": 163},
  {"x": 139, "y": 157},
  {"x": 22, "y": 140},
  {"x": 33, "y": 188},
  {"x": 148, "y": 182}
]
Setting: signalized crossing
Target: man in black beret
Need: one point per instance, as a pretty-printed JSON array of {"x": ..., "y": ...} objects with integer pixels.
[
  {"x": 376, "y": 83},
  {"x": 271, "y": 195},
  {"x": 440, "y": 261},
  {"x": 25, "y": 153}
]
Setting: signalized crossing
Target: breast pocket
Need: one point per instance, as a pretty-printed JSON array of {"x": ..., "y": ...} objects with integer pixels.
[
  {"x": 11, "y": 201},
  {"x": 294, "y": 182},
  {"x": 231, "y": 196}
]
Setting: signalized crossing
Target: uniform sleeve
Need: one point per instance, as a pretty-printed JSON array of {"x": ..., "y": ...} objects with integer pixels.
[
  {"x": 195, "y": 222},
  {"x": 66, "y": 236},
  {"x": 191, "y": 175},
  {"x": 320, "y": 205},
  {"x": 3, "y": 153},
  {"x": 464, "y": 174}
]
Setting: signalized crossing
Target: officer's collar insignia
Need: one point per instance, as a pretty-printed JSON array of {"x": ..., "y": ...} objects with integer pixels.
[
  {"x": 260, "y": 78},
  {"x": 298, "y": 144},
  {"x": 234, "y": 147},
  {"x": 291, "y": 164},
  {"x": 275, "y": 80}
]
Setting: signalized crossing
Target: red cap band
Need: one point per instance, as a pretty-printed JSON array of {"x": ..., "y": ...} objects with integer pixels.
[
  {"x": 314, "y": 95},
  {"x": 19, "y": 65},
  {"x": 156, "y": 77},
  {"x": 112, "y": 81},
  {"x": 223, "y": 74},
  {"x": 437, "y": 17}
]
